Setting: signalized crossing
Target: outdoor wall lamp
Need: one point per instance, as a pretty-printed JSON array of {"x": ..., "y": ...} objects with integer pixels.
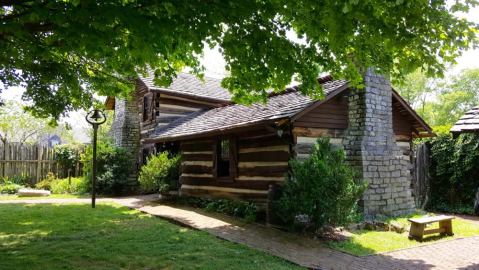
[
  {"x": 94, "y": 117},
  {"x": 279, "y": 132}
]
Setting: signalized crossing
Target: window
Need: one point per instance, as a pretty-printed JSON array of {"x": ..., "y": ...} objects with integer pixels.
[
  {"x": 146, "y": 108},
  {"x": 173, "y": 148},
  {"x": 157, "y": 105},
  {"x": 144, "y": 155},
  {"x": 225, "y": 159}
]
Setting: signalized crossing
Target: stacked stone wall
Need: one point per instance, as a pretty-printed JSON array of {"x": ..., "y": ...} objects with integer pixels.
[
  {"x": 371, "y": 147},
  {"x": 126, "y": 133}
]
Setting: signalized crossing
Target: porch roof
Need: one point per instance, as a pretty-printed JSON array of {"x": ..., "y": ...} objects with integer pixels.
[{"x": 219, "y": 120}]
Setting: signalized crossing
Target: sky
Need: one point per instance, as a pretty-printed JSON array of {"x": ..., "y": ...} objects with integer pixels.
[
  {"x": 470, "y": 59},
  {"x": 214, "y": 64}
]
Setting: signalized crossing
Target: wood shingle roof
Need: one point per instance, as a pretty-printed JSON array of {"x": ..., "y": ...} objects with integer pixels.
[
  {"x": 188, "y": 84},
  {"x": 469, "y": 122},
  {"x": 233, "y": 116}
]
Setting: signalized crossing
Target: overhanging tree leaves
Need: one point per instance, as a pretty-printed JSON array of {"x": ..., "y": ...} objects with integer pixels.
[
  {"x": 16, "y": 125},
  {"x": 442, "y": 102},
  {"x": 63, "y": 51}
]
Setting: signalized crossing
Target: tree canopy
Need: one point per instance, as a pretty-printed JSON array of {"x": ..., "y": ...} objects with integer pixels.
[
  {"x": 64, "y": 51},
  {"x": 17, "y": 125},
  {"x": 441, "y": 102}
]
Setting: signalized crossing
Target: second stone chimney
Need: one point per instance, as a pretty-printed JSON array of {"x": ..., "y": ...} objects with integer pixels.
[{"x": 126, "y": 133}]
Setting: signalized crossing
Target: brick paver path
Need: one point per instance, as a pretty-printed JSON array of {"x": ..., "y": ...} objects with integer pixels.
[{"x": 454, "y": 254}]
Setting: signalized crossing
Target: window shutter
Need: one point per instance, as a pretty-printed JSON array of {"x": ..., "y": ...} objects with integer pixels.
[
  {"x": 215, "y": 160},
  {"x": 233, "y": 158}
]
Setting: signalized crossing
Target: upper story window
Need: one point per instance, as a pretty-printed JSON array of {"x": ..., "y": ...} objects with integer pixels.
[
  {"x": 157, "y": 105},
  {"x": 225, "y": 160},
  {"x": 146, "y": 108}
]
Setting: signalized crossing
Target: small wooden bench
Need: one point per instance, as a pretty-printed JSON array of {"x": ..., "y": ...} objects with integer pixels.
[{"x": 418, "y": 226}]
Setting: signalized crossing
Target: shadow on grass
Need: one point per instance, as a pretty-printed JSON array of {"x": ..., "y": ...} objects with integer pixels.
[
  {"x": 74, "y": 236},
  {"x": 380, "y": 242}
]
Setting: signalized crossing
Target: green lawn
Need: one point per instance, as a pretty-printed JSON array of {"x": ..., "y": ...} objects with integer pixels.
[
  {"x": 372, "y": 242},
  {"x": 52, "y": 196},
  {"x": 74, "y": 236}
]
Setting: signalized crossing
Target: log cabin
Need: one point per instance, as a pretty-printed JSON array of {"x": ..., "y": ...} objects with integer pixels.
[{"x": 235, "y": 151}]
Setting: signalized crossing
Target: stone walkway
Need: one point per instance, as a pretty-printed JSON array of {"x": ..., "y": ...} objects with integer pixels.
[{"x": 454, "y": 254}]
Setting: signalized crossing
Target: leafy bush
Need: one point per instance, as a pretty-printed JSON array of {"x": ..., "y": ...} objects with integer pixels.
[
  {"x": 46, "y": 183},
  {"x": 160, "y": 173},
  {"x": 9, "y": 188},
  {"x": 113, "y": 168},
  {"x": 78, "y": 185},
  {"x": 246, "y": 210},
  {"x": 59, "y": 186},
  {"x": 21, "y": 180},
  {"x": 67, "y": 155},
  {"x": 323, "y": 189},
  {"x": 241, "y": 209},
  {"x": 454, "y": 172},
  {"x": 455, "y": 208}
]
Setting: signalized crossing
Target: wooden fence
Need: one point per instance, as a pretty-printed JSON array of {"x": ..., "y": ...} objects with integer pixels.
[
  {"x": 32, "y": 161},
  {"x": 421, "y": 177}
]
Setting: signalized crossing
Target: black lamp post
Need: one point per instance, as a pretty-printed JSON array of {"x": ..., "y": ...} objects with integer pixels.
[{"x": 95, "y": 117}]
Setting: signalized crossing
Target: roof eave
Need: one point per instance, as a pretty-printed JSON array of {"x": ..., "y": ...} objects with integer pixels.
[
  {"x": 196, "y": 97},
  {"x": 413, "y": 113},
  {"x": 216, "y": 132},
  {"x": 317, "y": 103}
]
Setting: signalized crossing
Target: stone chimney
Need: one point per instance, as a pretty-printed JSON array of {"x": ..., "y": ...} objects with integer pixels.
[
  {"x": 371, "y": 147},
  {"x": 126, "y": 133}
]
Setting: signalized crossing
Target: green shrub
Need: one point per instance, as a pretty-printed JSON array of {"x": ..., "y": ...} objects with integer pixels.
[
  {"x": 241, "y": 209},
  {"x": 11, "y": 185},
  {"x": 21, "y": 180},
  {"x": 454, "y": 172},
  {"x": 9, "y": 188},
  {"x": 67, "y": 155},
  {"x": 323, "y": 190},
  {"x": 46, "y": 183},
  {"x": 160, "y": 173},
  {"x": 114, "y": 165},
  {"x": 246, "y": 210},
  {"x": 78, "y": 185},
  {"x": 60, "y": 186}
]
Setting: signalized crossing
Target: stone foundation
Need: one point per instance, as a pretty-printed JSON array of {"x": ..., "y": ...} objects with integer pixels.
[
  {"x": 371, "y": 148},
  {"x": 126, "y": 133}
]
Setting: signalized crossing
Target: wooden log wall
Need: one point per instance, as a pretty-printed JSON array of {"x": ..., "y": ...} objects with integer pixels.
[
  {"x": 305, "y": 138},
  {"x": 330, "y": 115},
  {"x": 31, "y": 161},
  {"x": 402, "y": 125},
  {"x": 162, "y": 109},
  {"x": 331, "y": 120},
  {"x": 262, "y": 161}
]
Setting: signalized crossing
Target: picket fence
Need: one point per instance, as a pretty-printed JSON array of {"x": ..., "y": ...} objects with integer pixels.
[{"x": 32, "y": 161}]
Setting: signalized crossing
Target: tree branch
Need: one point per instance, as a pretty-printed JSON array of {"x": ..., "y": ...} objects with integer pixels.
[
  {"x": 38, "y": 27},
  {"x": 26, "y": 136}
]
